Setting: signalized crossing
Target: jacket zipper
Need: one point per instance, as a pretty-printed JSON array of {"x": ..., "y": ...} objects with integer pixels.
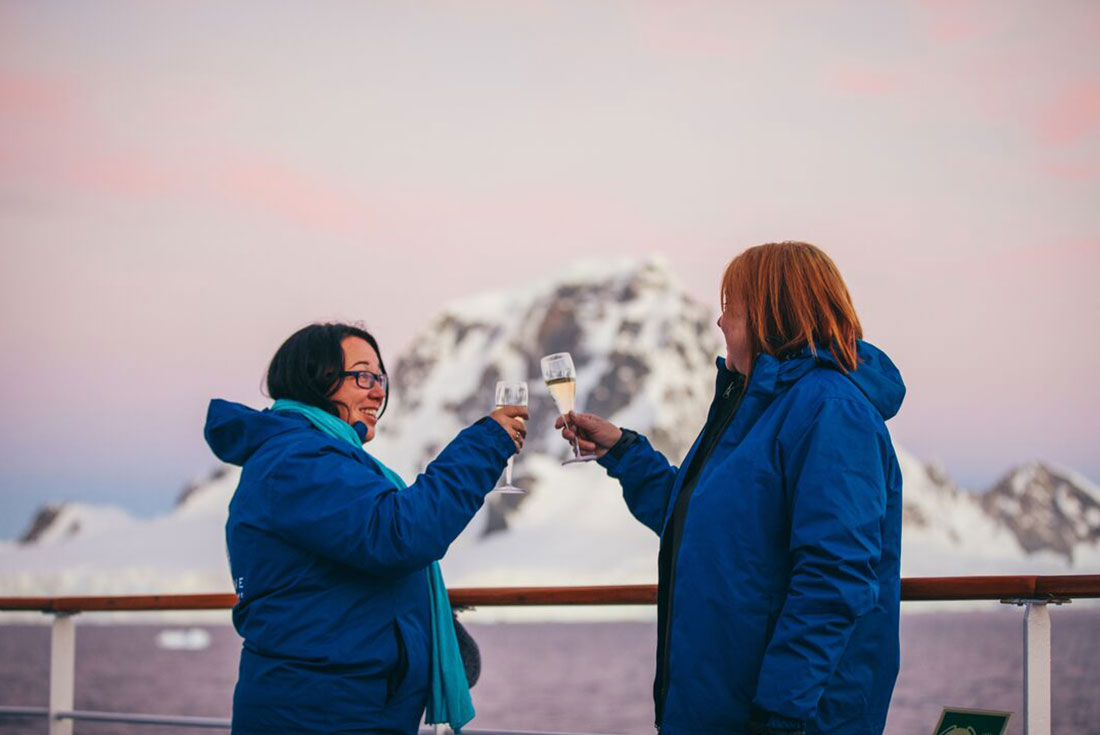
[{"x": 675, "y": 551}]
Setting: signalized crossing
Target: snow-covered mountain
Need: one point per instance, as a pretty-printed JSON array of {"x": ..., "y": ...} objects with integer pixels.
[
  {"x": 644, "y": 351},
  {"x": 950, "y": 531},
  {"x": 1047, "y": 509},
  {"x": 80, "y": 549}
]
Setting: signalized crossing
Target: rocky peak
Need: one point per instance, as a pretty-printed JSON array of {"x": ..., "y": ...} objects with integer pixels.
[
  {"x": 643, "y": 349},
  {"x": 42, "y": 520},
  {"x": 196, "y": 487},
  {"x": 60, "y": 523},
  {"x": 1046, "y": 508}
]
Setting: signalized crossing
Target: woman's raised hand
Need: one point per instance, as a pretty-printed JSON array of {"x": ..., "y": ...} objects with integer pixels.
[
  {"x": 512, "y": 419},
  {"x": 594, "y": 435}
]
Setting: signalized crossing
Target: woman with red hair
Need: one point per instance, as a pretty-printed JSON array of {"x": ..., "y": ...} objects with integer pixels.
[{"x": 779, "y": 577}]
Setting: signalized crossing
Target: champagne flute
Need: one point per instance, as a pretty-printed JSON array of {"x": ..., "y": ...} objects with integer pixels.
[
  {"x": 561, "y": 381},
  {"x": 510, "y": 394}
]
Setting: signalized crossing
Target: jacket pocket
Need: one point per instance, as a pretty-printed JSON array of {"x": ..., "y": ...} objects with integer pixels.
[{"x": 396, "y": 676}]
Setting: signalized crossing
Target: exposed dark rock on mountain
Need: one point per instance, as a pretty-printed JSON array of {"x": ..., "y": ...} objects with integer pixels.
[
  {"x": 40, "y": 523},
  {"x": 1046, "y": 509}
]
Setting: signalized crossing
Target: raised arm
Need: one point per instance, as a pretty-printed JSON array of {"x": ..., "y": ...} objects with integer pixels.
[
  {"x": 646, "y": 478},
  {"x": 644, "y": 473},
  {"x": 345, "y": 510}
]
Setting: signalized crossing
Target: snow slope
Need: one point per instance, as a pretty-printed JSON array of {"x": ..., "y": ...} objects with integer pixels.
[{"x": 645, "y": 352}]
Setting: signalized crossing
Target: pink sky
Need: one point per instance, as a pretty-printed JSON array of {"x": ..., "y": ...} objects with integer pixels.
[{"x": 183, "y": 185}]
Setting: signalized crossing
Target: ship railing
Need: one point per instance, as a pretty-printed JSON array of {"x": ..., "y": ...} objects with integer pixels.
[{"x": 1033, "y": 593}]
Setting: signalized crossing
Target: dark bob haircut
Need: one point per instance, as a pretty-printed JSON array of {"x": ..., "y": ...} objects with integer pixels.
[{"x": 307, "y": 367}]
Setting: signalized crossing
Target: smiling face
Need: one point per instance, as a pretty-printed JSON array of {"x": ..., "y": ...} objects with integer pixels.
[{"x": 354, "y": 403}]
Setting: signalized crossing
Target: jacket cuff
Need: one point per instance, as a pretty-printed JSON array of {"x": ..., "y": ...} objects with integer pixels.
[
  {"x": 498, "y": 436},
  {"x": 619, "y": 448},
  {"x": 615, "y": 454}
]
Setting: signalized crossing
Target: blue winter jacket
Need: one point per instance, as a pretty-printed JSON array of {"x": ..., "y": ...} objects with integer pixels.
[
  {"x": 328, "y": 560},
  {"x": 785, "y": 592}
]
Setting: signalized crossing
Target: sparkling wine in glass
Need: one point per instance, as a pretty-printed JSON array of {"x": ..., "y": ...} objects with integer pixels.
[
  {"x": 510, "y": 394},
  {"x": 561, "y": 381}
]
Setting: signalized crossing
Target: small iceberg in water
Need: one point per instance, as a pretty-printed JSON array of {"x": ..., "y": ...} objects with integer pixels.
[{"x": 179, "y": 639}]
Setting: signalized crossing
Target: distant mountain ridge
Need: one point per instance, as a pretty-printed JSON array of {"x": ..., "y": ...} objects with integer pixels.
[
  {"x": 645, "y": 353},
  {"x": 1047, "y": 509},
  {"x": 934, "y": 506}
]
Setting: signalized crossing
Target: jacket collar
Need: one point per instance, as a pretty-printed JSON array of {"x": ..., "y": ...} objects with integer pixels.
[{"x": 876, "y": 376}]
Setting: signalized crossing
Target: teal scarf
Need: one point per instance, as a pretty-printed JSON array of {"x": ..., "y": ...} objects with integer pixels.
[{"x": 450, "y": 701}]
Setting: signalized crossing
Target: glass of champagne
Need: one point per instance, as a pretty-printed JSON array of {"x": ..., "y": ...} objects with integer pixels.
[
  {"x": 510, "y": 394},
  {"x": 561, "y": 381}
]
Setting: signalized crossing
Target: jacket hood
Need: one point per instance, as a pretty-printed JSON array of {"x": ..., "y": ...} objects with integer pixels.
[
  {"x": 876, "y": 375},
  {"x": 234, "y": 431}
]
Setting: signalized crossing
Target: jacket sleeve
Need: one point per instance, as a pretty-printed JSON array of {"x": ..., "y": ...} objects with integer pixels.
[
  {"x": 326, "y": 502},
  {"x": 646, "y": 478},
  {"x": 835, "y": 485}
]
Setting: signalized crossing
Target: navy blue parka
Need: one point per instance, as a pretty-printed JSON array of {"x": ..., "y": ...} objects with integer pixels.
[
  {"x": 328, "y": 560},
  {"x": 784, "y": 596}
]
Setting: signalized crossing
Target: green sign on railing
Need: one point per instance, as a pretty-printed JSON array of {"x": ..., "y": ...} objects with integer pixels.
[{"x": 971, "y": 722}]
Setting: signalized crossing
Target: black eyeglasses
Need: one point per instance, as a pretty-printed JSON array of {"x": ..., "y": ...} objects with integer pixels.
[{"x": 365, "y": 379}]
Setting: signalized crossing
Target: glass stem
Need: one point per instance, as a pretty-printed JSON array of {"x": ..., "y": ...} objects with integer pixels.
[
  {"x": 576, "y": 441},
  {"x": 508, "y": 472}
]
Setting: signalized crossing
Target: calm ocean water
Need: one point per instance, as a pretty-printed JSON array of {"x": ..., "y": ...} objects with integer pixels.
[{"x": 592, "y": 677}]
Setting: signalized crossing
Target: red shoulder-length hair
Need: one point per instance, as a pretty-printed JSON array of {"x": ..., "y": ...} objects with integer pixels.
[{"x": 794, "y": 296}]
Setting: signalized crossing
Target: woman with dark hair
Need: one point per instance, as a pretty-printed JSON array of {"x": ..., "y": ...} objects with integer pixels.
[
  {"x": 778, "y": 573},
  {"x": 345, "y": 619}
]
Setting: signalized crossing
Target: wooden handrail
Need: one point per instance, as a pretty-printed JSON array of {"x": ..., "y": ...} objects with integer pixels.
[
  {"x": 1062, "y": 586},
  {"x": 217, "y": 601},
  {"x": 912, "y": 589}
]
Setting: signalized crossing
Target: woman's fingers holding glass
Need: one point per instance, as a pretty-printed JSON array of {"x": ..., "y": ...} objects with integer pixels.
[
  {"x": 519, "y": 436},
  {"x": 512, "y": 419},
  {"x": 593, "y": 433},
  {"x": 515, "y": 412},
  {"x": 507, "y": 415},
  {"x": 588, "y": 447},
  {"x": 567, "y": 432}
]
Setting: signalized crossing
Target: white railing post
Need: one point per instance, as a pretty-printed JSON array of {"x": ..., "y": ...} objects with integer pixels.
[
  {"x": 1036, "y": 668},
  {"x": 62, "y": 671}
]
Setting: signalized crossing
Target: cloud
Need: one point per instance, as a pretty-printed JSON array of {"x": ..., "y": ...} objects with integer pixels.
[
  {"x": 272, "y": 187},
  {"x": 1073, "y": 171},
  {"x": 234, "y": 180},
  {"x": 699, "y": 30},
  {"x": 58, "y": 143},
  {"x": 953, "y": 21},
  {"x": 1072, "y": 116},
  {"x": 1075, "y": 258},
  {"x": 1024, "y": 66},
  {"x": 274, "y": 190},
  {"x": 34, "y": 98},
  {"x": 865, "y": 81}
]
